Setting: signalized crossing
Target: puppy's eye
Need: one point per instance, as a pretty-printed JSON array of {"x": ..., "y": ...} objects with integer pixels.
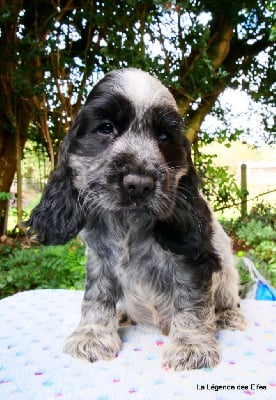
[
  {"x": 106, "y": 128},
  {"x": 163, "y": 136}
]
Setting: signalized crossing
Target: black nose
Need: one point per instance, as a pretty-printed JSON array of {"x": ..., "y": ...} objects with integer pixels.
[{"x": 138, "y": 185}]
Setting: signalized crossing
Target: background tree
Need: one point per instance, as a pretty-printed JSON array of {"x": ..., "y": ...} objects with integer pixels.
[{"x": 52, "y": 51}]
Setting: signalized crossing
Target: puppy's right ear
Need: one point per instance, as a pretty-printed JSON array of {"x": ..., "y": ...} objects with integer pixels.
[{"x": 59, "y": 216}]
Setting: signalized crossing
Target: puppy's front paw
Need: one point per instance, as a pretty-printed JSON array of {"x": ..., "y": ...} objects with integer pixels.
[
  {"x": 92, "y": 344},
  {"x": 180, "y": 356},
  {"x": 230, "y": 319}
]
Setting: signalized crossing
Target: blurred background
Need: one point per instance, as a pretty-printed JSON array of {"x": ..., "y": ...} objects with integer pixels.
[{"x": 217, "y": 59}]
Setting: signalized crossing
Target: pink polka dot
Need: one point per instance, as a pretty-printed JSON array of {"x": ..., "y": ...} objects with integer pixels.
[
  {"x": 248, "y": 392},
  {"x": 159, "y": 342}
]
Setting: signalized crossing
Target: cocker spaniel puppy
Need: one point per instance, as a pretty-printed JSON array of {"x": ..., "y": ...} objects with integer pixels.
[{"x": 127, "y": 183}]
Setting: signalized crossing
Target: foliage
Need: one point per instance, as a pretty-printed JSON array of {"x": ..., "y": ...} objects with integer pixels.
[
  {"x": 196, "y": 47},
  {"x": 53, "y": 52},
  {"x": 255, "y": 238},
  {"x": 5, "y": 196},
  {"x": 265, "y": 213},
  {"x": 35, "y": 166},
  {"x": 219, "y": 186},
  {"x": 259, "y": 234},
  {"x": 41, "y": 267},
  {"x": 63, "y": 266},
  {"x": 255, "y": 232}
]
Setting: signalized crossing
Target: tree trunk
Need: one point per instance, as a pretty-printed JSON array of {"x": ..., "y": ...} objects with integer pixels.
[
  {"x": 19, "y": 179},
  {"x": 7, "y": 171},
  {"x": 204, "y": 108},
  {"x": 8, "y": 155}
]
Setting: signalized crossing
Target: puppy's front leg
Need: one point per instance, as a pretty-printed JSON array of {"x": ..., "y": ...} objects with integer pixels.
[
  {"x": 96, "y": 336},
  {"x": 193, "y": 344}
]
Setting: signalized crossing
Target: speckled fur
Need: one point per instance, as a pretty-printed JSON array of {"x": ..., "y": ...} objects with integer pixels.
[{"x": 162, "y": 256}]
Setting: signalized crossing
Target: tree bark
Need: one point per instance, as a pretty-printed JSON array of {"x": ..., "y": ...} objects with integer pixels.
[
  {"x": 218, "y": 50},
  {"x": 7, "y": 171},
  {"x": 204, "y": 108},
  {"x": 10, "y": 148},
  {"x": 19, "y": 178}
]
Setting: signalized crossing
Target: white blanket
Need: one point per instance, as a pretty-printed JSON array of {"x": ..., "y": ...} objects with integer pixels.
[{"x": 34, "y": 324}]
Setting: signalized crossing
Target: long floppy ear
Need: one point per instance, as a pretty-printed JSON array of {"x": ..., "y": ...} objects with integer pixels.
[{"x": 59, "y": 215}]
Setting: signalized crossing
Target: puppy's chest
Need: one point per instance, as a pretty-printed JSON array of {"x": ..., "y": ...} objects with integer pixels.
[
  {"x": 146, "y": 273},
  {"x": 140, "y": 256}
]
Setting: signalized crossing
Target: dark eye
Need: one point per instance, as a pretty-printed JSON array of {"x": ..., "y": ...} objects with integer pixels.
[
  {"x": 106, "y": 128},
  {"x": 163, "y": 136}
]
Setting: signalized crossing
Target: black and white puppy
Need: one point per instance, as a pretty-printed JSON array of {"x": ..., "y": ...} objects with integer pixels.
[{"x": 126, "y": 182}]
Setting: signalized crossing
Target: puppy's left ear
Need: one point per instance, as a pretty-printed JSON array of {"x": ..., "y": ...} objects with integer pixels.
[{"x": 59, "y": 216}]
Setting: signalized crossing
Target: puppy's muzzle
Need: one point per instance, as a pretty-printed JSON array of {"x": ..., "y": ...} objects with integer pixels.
[{"x": 138, "y": 186}]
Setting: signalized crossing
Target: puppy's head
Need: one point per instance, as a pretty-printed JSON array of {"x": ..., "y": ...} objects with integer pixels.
[
  {"x": 125, "y": 151},
  {"x": 129, "y": 152}
]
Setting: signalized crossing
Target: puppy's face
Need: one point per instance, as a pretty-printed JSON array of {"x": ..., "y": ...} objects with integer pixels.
[{"x": 128, "y": 151}]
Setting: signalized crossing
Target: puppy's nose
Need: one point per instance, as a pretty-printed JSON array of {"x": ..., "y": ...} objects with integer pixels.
[{"x": 138, "y": 185}]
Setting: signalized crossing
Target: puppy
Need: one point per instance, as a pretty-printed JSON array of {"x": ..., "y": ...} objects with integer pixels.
[{"x": 127, "y": 183}]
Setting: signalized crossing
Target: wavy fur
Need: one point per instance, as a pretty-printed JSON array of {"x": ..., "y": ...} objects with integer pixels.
[{"x": 127, "y": 183}]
